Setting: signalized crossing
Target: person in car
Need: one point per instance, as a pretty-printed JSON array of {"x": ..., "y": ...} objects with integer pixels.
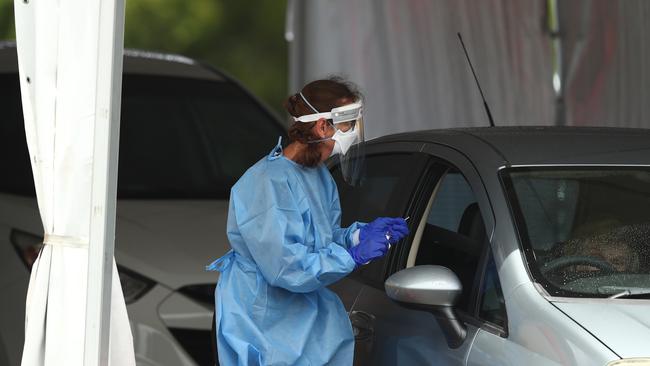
[
  {"x": 272, "y": 305},
  {"x": 608, "y": 240}
]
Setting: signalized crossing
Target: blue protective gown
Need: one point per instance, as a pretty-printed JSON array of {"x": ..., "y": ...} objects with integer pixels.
[{"x": 272, "y": 306}]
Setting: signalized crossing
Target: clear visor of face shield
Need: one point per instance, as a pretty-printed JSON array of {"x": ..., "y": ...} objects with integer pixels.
[
  {"x": 348, "y": 138},
  {"x": 348, "y": 127}
]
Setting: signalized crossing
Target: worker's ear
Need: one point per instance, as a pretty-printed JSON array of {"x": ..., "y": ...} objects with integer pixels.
[{"x": 322, "y": 129}]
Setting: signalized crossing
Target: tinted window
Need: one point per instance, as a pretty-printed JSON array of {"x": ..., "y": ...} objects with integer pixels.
[
  {"x": 492, "y": 304},
  {"x": 454, "y": 235},
  {"x": 187, "y": 138},
  {"x": 386, "y": 191},
  {"x": 179, "y": 138}
]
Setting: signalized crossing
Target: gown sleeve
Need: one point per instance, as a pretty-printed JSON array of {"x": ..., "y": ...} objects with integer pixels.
[{"x": 271, "y": 224}]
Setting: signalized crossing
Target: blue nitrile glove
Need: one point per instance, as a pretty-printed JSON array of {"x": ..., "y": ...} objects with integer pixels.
[
  {"x": 372, "y": 247},
  {"x": 380, "y": 224},
  {"x": 397, "y": 231},
  {"x": 394, "y": 229}
]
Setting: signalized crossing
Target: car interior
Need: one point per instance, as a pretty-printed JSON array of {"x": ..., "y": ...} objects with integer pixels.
[{"x": 451, "y": 232}]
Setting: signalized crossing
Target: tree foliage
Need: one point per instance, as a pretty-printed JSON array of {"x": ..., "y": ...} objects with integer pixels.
[
  {"x": 7, "y": 27},
  {"x": 244, "y": 38}
]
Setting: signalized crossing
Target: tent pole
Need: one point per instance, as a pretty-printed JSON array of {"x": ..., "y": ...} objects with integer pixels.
[{"x": 110, "y": 49}]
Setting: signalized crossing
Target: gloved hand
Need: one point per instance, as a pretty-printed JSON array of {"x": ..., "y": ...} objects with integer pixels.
[
  {"x": 397, "y": 231},
  {"x": 373, "y": 246},
  {"x": 394, "y": 229}
]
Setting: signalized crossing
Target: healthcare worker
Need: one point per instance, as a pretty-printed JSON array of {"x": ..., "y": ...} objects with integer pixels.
[{"x": 272, "y": 305}]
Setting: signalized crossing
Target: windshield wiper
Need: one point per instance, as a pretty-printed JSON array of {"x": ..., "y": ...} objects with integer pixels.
[{"x": 640, "y": 293}]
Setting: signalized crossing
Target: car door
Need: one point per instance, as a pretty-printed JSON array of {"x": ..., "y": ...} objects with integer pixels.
[
  {"x": 447, "y": 228},
  {"x": 391, "y": 172},
  {"x": 491, "y": 343}
]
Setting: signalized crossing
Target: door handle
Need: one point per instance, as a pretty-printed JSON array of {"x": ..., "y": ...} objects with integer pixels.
[{"x": 362, "y": 325}]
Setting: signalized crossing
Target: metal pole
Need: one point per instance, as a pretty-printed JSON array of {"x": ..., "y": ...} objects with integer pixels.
[
  {"x": 557, "y": 61},
  {"x": 295, "y": 35},
  {"x": 110, "y": 50}
]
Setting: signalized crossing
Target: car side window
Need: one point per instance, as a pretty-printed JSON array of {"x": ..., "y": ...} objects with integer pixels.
[
  {"x": 454, "y": 234},
  {"x": 492, "y": 306},
  {"x": 173, "y": 144},
  {"x": 386, "y": 190}
]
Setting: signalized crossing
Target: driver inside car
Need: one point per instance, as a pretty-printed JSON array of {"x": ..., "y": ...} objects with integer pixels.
[{"x": 604, "y": 240}]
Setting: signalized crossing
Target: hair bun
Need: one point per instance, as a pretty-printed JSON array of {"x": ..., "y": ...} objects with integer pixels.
[{"x": 291, "y": 105}]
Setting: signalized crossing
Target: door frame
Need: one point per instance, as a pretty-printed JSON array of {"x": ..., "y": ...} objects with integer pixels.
[{"x": 438, "y": 155}]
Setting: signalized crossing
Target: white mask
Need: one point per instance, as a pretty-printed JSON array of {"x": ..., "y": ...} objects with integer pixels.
[
  {"x": 343, "y": 141},
  {"x": 336, "y": 149}
]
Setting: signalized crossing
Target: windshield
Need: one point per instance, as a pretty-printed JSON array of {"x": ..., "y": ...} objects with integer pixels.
[
  {"x": 180, "y": 138},
  {"x": 585, "y": 230}
]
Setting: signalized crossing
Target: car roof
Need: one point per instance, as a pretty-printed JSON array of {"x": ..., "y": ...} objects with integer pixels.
[
  {"x": 541, "y": 145},
  {"x": 135, "y": 62}
]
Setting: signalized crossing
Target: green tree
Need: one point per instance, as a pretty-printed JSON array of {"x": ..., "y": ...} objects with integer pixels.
[
  {"x": 7, "y": 27},
  {"x": 244, "y": 38}
]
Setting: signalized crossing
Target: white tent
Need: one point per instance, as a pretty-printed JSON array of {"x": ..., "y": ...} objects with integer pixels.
[
  {"x": 70, "y": 63},
  {"x": 408, "y": 62},
  {"x": 576, "y": 63}
]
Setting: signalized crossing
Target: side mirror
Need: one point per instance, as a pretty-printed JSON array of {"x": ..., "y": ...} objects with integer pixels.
[{"x": 435, "y": 289}]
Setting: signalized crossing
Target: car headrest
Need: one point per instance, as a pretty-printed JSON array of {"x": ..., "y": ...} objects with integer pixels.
[{"x": 471, "y": 223}]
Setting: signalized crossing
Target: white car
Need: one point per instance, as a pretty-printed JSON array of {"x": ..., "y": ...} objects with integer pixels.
[
  {"x": 187, "y": 133},
  {"x": 528, "y": 246}
]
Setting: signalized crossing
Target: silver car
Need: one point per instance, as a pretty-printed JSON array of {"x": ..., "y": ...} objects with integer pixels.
[
  {"x": 528, "y": 246},
  {"x": 187, "y": 133}
]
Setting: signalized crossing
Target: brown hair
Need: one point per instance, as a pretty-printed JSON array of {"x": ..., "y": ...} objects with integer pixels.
[{"x": 323, "y": 95}]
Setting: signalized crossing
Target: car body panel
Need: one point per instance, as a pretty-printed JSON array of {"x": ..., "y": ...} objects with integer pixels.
[
  {"x": 135, "y": 62},
  {"x": 179, "y": 311},
  {"x": 154, "y": 63},
  {"x": 538, "y": 334},
  {"x": 623, "y": 325},
  {"x": 20, "y": 213},
  {"x": 348, "y": 291},
  {"x": 153, "y": 342},
  {"x": 569, "y": 145},
  {"x": 181, "y": 252},
  {"x": 12, "y": 313},
  {"x": 541, "y": 145},
  {"x": 390, "y": 334}
]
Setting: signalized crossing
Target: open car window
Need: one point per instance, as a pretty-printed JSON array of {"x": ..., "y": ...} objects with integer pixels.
[
  {"x": 454, "y": 235},
  {"x": 387, "y": 189}
]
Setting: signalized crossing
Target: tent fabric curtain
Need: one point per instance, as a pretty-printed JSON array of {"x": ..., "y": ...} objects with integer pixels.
[
  {"x": 605, "y": 60},
  {"x": 57, "y": 58},
  {"x": 408, "y": 62},
  {"x": 406, "y": 58}
]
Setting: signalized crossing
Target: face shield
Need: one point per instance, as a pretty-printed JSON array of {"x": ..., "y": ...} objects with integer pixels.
[{"x": 348, "y": 137}]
